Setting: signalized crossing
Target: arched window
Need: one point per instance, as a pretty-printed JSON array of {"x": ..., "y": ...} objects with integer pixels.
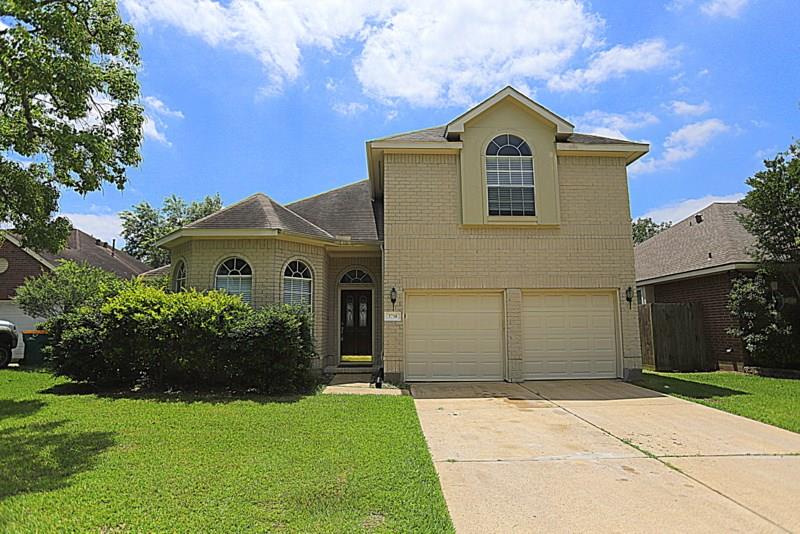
[
  {"x": 509, "y": 177},
  {"x": 297, "y": 282},
  {"x": 356, "y": 276},
  {"x": 235, "y": 276},
  {"x": 179, "y": 277}
]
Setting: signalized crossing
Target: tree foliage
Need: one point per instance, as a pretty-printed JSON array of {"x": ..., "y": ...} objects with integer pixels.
[
  {"x": 66, "y": 288},
  {"x": 774, "y": 215},
  {"x": 644, "y": 228},
  {"x": 143, "y": 225},
  {"x": 69, "y": 112}
]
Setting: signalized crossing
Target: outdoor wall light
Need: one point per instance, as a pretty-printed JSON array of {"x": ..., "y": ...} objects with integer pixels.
[
  {"x": 393, "y": 297},
  {"x": 629, "y": 296}
]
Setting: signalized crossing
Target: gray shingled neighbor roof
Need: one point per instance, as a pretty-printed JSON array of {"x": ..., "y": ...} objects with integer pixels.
[
  {"x": 437, "y": 134},
  {"x": 82, "y": 247},
  {"x": 256, "y": 212},
  {"x": 345, "y": 211},
  {"x": 690, "y": 246}
]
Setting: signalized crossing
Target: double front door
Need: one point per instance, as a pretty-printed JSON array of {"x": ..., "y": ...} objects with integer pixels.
[{"x": 356, "y": 326}]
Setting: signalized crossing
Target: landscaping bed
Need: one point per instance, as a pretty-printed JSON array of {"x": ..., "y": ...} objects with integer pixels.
[
  {"x": 771, "y": 400},
  {"x": 187, "y": 463}
]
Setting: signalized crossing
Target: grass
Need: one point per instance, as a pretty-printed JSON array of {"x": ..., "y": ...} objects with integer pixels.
[
  {"x": 73, "y": 462},
  {"x": 771, "y": 400}
]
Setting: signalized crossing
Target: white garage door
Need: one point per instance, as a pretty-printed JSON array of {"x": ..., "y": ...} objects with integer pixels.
[
  {"x": 9, "y": 311},
  {"x": 454, "y": 337},
  {"x": 570, "y": 335}
]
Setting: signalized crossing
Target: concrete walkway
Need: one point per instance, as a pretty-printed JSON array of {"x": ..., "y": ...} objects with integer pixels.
[{"x": 587, "y": 456}]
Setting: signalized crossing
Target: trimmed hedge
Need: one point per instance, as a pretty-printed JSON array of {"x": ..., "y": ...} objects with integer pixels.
[{"x": 146, "y": 336}]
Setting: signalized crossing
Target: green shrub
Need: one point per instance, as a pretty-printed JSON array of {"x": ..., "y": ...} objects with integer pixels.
[
  {"x": 144, "y": 335},
  {"x": 770, "y": 335}
]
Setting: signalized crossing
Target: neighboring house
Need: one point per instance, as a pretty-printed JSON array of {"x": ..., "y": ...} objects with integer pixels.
[
  {"x": 497, "y": 246},
  {"x": 18, "y": 263},
  {"x": 695, "y": 260}
]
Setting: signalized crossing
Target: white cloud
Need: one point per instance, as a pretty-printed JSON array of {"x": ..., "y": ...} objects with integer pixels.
[
  {"x": 454, "y": 51},
  {"x": 155, "y": 114},
  {"x": 680, "y": 107},
  {"x": 614, "y": 63},
  {"x": 349, "y": 109},
  {"x": 330, "y": 84},
  {"x": 450, "y": 52},
  {"x": 391, "y": 115},
  {"x": 723, "y": 8},
  {"x": 613, "y": 124},
  {"x": 677, "y": 211},
  {"x": 682, "y": 144},
  {"x": 106, "y": 226}
]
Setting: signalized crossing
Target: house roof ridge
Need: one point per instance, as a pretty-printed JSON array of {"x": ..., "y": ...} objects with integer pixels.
[
  {"x": 302, "y": 218},
  {"x": 225, "y": 208}
]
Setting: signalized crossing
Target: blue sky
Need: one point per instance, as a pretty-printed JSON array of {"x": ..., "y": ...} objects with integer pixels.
[{"x": 246, "y": 95}]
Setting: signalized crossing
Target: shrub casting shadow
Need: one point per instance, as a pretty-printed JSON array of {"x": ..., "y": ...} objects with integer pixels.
[
  {"x": 177, "y": 396},
  {"x": 42, "y": 456},
  {"x": 13, "y": 409},
  {"x": 686, "y": 388}
]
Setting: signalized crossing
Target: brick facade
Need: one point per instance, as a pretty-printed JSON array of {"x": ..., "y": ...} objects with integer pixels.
[
  {"x": 712, "y": 292},
  {"x": 20, "y": 266},
  {"x": 427, "y": 247}
]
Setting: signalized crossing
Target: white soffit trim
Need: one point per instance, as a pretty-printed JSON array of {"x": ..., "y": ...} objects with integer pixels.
[{"x": 697, "y": 273}]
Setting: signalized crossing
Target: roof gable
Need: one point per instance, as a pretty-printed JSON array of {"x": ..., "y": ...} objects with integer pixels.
[{"x": 456, "y": 126}]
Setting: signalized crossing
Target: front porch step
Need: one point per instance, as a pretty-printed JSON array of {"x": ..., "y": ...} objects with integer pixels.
[{"x": 349, "y": 370}]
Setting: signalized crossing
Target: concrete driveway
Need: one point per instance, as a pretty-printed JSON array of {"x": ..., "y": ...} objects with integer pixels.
[{"x": 583, "y": 456}]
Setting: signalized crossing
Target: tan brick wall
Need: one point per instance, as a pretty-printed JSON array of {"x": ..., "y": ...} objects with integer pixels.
[
  {"x": 427, "y": 247},
  {"x": 267, "y": 258}
]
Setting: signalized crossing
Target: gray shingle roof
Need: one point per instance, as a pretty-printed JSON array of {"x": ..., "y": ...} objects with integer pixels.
[
  {"x": 345, "y": 211},
  {"x": 689, "y": 246},
  {"x": 159, "y": 271},
  {"x": 437, "y": 134},
  {"x": 82, "y": 247},
  {"x": 256, "y": 212}
]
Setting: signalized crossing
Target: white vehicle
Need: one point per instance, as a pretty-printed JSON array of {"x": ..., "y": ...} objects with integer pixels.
[{"x": 8, "y": 341}]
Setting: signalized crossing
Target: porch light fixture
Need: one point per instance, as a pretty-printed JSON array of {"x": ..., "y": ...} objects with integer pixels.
[
  {"x": 629, "y": 296},
  {"x": 393, "y": 297}
]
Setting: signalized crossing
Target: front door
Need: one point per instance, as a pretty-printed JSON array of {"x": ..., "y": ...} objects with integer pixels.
[{"x": 356, "y": 326}]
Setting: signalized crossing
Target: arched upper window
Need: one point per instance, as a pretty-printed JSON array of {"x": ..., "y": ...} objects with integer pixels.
[
  {"x": 179, "y": 277},
  {"x": 235, "y": 276},
  {"x": 297, "y": 282},
  {"x": 509, "y": 177},
  {"x": 356, "y": 276}
]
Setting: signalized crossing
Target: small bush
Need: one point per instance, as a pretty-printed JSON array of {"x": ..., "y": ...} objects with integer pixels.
[
  {"x": 770, "y": 335},
  {"x": 144, "y": 335}
]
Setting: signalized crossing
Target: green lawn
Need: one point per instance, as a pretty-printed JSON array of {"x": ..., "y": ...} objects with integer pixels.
[
  {"x": 72, "y": 462},
  {"x": 771, "y": 400}
]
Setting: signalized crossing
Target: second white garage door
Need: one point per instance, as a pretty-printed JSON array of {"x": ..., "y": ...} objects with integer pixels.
[
  {"x": 570, "y": 335},
  {"x": 454, "y": 336}
]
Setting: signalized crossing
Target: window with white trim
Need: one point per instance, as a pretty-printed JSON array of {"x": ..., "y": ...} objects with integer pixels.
[
  {"x": 356, "y": 276},
  {"x": 235, "y": 276},
  {"x": 179, "y": 278},
  {"x": 509, "y": 177},
  {"x": 297, "y": 284}
]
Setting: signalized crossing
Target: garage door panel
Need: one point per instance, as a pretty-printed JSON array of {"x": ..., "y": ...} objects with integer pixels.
[
  {"x": 569, "y": 335},
  {"x": 454, "y": 337}
]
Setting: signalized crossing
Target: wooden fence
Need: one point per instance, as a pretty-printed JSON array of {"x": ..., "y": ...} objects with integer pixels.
[{"x": 672, "y": 337}]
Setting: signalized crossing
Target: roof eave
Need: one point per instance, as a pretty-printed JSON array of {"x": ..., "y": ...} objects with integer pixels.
[
  {"x": 631, "y": 151},
  {"x": 697, "y": 273}
]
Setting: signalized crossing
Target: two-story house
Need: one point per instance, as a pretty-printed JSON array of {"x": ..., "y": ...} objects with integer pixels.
[{"x": 497, "y": 246}]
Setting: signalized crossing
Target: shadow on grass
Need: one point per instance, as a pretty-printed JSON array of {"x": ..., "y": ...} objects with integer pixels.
[
  {"x": 44, "y": 456},
  {"x": 184, "y": 396},
  {"x": 23, "y": 408},
  {"x": 686, "y": 388}
]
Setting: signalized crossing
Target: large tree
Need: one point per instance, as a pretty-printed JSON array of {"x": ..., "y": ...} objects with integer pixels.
[
  {"x": 69, "y": 111},
  {"x": 644, "y": 228},
  {"x": 774, "y": 216},
  {"x": 143, "y": 225}
]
